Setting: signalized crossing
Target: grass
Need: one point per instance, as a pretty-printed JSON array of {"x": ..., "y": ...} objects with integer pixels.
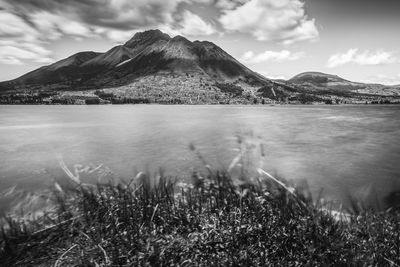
[{"x": 216, "y": 220}]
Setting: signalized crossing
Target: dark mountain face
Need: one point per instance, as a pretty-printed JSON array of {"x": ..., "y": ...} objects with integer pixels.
[
  {"x": 148, "y": 52},
  {"x": 66, "y": 69},
  {"x": 215, "y": 60},
  {"x": 142, "y": 39},
  {"x": 110, "y": 58},
  {"x": 180, "y": 55}
]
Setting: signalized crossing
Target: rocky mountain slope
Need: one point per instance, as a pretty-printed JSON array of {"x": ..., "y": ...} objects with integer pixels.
[{"x": 147, "y": 53}]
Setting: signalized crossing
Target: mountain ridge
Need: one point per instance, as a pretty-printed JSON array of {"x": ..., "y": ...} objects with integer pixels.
[
  {"x": 153, "y": 65},
  {"x": 318, "y": 81},
  {"x": 145, "y": 53}
]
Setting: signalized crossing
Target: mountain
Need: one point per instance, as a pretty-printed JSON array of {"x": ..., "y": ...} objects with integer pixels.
[
  {"x": 149, "y": 53},
  {"x": 177, "y": 56},
  {"x": 317, "y": 81},
  {"x": 63, "y": 70},
  {"x": 154, "y": 67}
]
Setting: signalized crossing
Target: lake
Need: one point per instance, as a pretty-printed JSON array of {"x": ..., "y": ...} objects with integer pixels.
[{"x": 343, "y": 149}]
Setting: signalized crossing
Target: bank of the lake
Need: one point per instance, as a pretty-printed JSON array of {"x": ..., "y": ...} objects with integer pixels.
[{"x": 215, "y": 221}]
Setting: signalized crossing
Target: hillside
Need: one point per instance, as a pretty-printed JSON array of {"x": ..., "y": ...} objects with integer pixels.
[
  {"x": 153, "y": 67},
  {"x": 64, "y": 70},
  {"x": 147, "y": 53},
  {"x": 317, "y": 81}
]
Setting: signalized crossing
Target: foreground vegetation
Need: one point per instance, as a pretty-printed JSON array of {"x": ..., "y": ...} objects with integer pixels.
[
  {"x": 215, "y": 221},
  {"x": 234, "y": 217}
]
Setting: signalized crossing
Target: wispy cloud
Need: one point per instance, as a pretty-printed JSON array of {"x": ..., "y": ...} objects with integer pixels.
[
  {"x": 84, "y": 18},
  {"x": 26, "y": 24},
  {"x": 15, "y": 53},
  {"x": 277, "y": 56},
  {"x": 271, "y": 20},
  {"x": 384, "y": 79},
  {"x": 276, "y": 77},
  {"x": 19, "y": 41},
  {"x": 361, "y": 58},
  {"x": 193, "y": 24},
  {"x": 119, "y": 14},
  {"x": 229, "y": 4}
]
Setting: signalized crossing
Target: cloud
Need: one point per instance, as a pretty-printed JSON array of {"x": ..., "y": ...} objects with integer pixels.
[
  {"x": 19, "y": 41},
  {"x": 14, "y": 53},
  {"x": 120, "y": 14},
  {"x": 54, "y": 26},
  {"x": 276, "y": 77},
  {"x": 384, "y": 79},
  {"x": 272, "y": 76},
  {"x": 116, "y": 36},
  {"x": 277, "y": 56},
  {"x": 30, "y": 26},
  {"x": 271, "y": 20},
  {"x": 220, "y": 4},
  {"x": 192, "y": 24},
  {"x": 15, "y": 28},
  {"x": 229, "y": 4},
  {"x": 353, "y": 55},
  {"x": 89, "y": 18},
  {"x": 86, "y": 18}
]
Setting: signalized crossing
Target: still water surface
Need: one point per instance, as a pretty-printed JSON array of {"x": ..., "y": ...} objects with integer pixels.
[{"x": 339, "y": 148}]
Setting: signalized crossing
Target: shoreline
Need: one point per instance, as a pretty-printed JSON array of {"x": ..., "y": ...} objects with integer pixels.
[
  {"x": 212, "y": 221},
  {"x": 207, "y": 104}
]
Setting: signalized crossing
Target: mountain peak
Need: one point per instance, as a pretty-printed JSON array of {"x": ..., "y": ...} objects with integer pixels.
[
  {"x": 149, "y": 33},
  {"x": 147, "y": 38},
  {"x": 179, "y": 39},
  {"x": 204, "y": 43},
  {"x": 315, "y": 74}
]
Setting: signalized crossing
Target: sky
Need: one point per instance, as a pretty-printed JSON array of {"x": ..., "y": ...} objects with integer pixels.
[{"x": 355, "y": 39}]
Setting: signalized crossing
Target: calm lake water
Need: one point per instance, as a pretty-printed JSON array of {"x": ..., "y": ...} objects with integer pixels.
[{"x": 343, "y": 149}]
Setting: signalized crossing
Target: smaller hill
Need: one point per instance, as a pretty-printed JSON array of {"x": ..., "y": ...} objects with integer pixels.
[
  {"x": 319, "y": 80},
  {"x": 328, "y": 83}
]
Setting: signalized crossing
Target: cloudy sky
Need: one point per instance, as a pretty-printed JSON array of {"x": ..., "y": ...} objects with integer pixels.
[{"x": 356, "y": 39}]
